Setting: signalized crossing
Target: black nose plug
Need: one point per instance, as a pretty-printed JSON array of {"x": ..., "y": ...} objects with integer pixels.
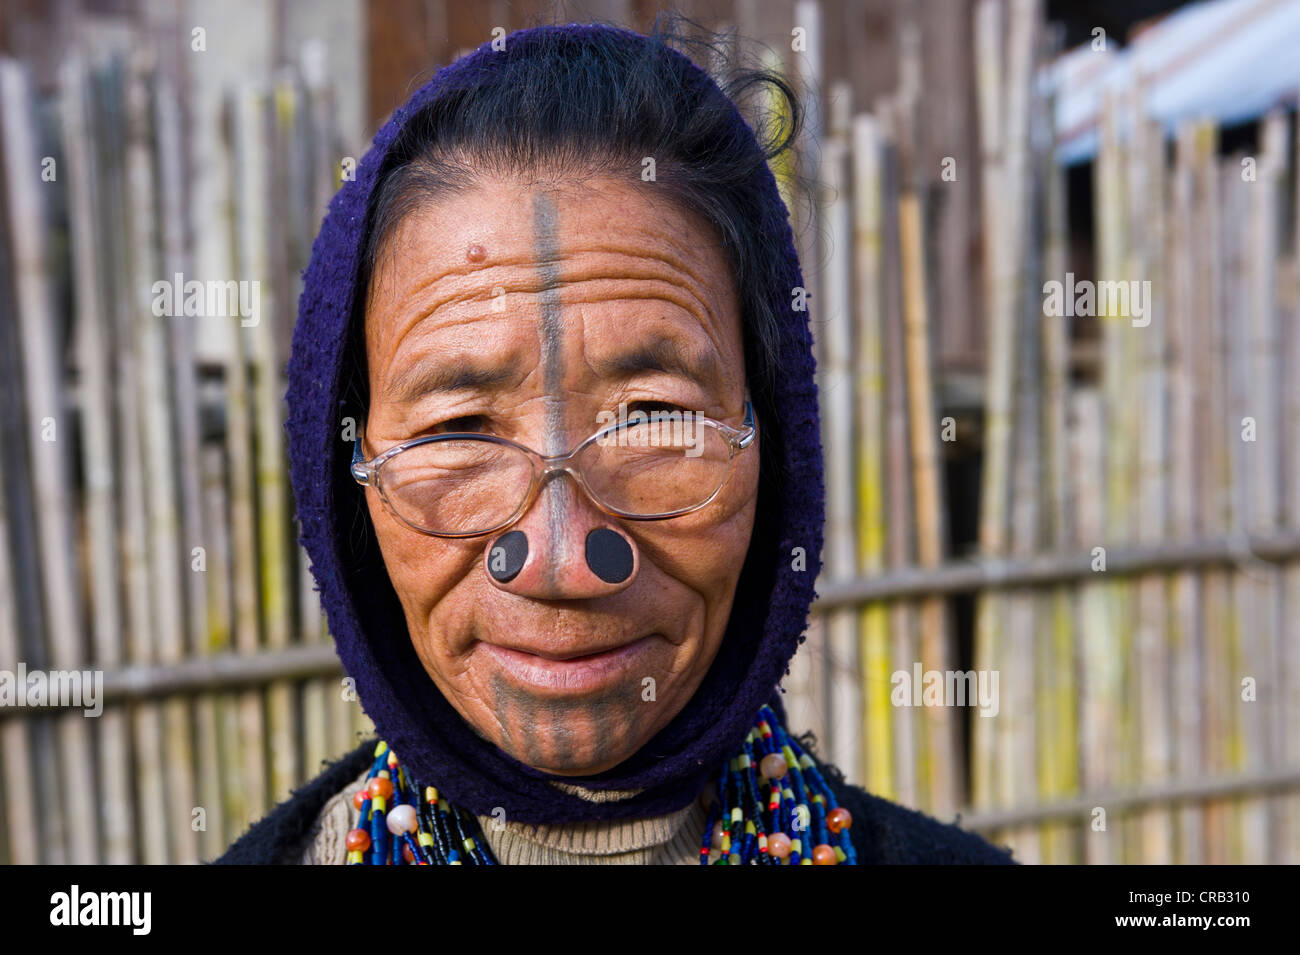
[
  {"x": 506, "y": 557},
  {"x": 609, "y": 555}
]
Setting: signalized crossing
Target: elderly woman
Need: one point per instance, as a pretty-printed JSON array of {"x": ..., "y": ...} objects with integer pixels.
[{"x": 555, "y": 446}]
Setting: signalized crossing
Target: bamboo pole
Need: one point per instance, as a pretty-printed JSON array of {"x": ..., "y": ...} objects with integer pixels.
[
  {"x": 806, "y": 69},
  {"x": 869, "y": 387},
  {"x": 1289, "y": 639},
  {"x": 1058, "y": 756},
  {"x": 176, "y": 259},
  {"x": 1098, "y": 663},
  {"x": 1004, "y": 119},
  {"x": 844, "y": 699},
  {"x": 239, "y": 464},
  {"x": 28, "y": 608},
  {"x": 95, "y": 377},
  {"x": 1154, "y": 702},
  {"x": 988, "y": 607},
  {"x": 1223, "y": 727},
  {"x": 155, "y": 405},
  {"x": 1258, "y": 488},
  {"x": 1209, "y": 278},
  {"x": 21, "y": 823},
  {"x": 146, "y": 719},
  {"x": 1029, "y": 659},
  {"x": 234, "y": 810},
  {"x": 46, "y": 409},
  {"x": 254, "y": 229},
  {"x": 1121, "y": 423},
  {"x": 1185, "y": 629},
  {"x": 944, "y": 763},
  {"x": 1003, "y": 91},
  {"x": 904, "y": 637}
]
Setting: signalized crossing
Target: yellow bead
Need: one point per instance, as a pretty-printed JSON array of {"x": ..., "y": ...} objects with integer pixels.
[
  {"x": 380, "y": 749},
  {"x": 426, "y": 839}
]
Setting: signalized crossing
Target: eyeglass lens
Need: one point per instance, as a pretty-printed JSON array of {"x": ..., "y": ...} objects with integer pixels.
[{"x": 464, "y": 486}]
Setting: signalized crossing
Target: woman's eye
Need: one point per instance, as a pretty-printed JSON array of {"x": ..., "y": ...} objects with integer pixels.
[
  {"x": 650, "y": 406},
  {"x": 470, "y": 423}
]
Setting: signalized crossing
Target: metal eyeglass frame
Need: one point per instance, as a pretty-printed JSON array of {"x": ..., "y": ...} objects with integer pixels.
[{"x": 366, "y": 473}]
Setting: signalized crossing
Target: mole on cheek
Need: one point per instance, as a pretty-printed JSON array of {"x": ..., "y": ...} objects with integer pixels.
[{"x": 476, "y": 253}]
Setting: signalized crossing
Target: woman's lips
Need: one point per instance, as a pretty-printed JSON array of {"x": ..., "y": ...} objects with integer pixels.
[{"x": 583, "y": 674}]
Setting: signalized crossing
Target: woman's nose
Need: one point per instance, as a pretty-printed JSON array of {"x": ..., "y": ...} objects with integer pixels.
[{"x": 563, "y": 548}]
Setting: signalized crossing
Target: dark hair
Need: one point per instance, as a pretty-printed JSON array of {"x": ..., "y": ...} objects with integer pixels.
[{"x": 554, "y": 105}]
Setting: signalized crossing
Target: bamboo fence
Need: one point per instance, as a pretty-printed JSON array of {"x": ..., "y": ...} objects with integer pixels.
[
  {"x": 1134, "y": 569},
  {"x": 1133, "y": 581},
  {"x": 161, "y": 507}
]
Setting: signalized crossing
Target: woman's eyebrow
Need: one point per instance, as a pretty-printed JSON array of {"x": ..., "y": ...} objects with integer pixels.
[
  {"x": 665, "y": 355},
  {"x": 425, "y": 378}
]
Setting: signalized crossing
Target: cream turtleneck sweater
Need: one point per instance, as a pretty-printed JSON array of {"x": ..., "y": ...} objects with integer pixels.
[{"x": 673, "y": 839}]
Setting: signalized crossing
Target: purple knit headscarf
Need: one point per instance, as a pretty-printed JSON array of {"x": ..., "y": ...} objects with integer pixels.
[{"x": 773, "y": 597}]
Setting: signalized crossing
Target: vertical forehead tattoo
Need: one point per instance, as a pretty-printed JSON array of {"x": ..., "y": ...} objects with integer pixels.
[{"x": 551, "y": 332}]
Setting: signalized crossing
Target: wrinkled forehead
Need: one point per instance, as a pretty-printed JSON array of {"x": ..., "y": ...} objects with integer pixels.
[{"x": 511, "y": 260}]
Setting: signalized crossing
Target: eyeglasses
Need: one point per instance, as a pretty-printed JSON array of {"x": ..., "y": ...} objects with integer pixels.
[{"x": 647, "y": 467}]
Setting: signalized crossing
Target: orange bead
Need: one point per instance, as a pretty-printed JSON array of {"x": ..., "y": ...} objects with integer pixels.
[
  {"x": 717, "y": 835},
  {"x": 838, "y": 819},
  {"x": 406, "y": 854},
  {"x": 379, "y": 786},
  {"x": 778, "y": 845},
  {"x": 359, "y": 840},
  {"x": 824, "y": 855},
  {"x": 773, "y": 766},
  {"x": 359, "y": 797}
]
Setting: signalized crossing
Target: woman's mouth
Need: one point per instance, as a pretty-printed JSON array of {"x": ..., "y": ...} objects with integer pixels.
[{"x": 571, "y": 674}]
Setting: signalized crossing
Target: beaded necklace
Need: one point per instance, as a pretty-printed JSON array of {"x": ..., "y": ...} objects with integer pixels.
[{"x": 743, "y": 828}]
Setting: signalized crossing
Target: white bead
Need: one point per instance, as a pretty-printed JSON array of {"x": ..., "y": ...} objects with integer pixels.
[{"x": 401, "y": 819}]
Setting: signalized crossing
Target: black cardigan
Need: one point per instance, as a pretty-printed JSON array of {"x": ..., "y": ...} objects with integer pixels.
[{"x": 883, "y": 832}]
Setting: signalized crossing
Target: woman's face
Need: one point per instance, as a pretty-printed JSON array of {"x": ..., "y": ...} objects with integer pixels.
[{"x": 525, "y": 311}]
